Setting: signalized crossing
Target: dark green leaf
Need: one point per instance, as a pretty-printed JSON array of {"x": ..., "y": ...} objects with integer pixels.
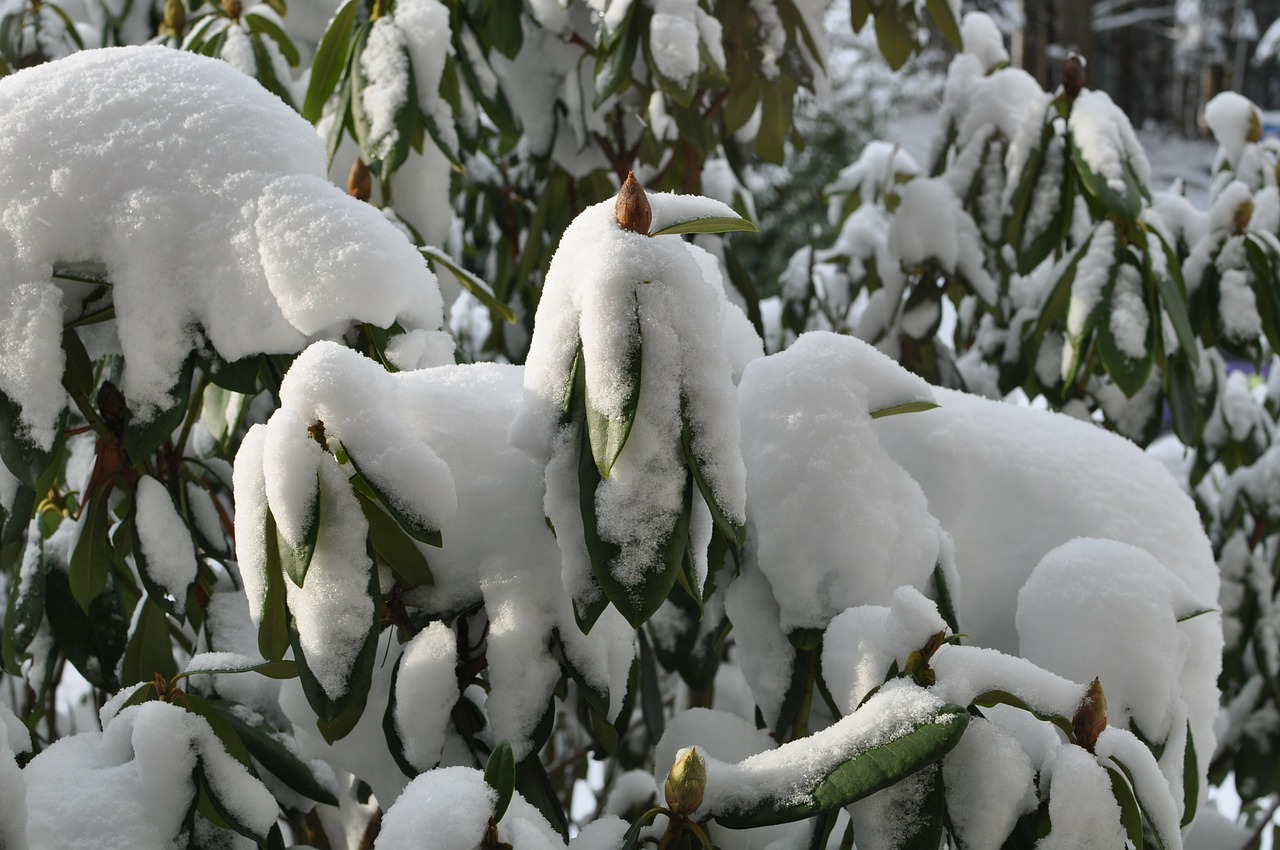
[
  {"x": 89, "y": 566},
  {"x": 25, "y": 607},
  {"x": 141, "y": 439},
  {"x": 651, "y": 695},
  {"x": 607, "y": 435},
  {"x": 504, "y": 28},
  {"x": 903, "y": 407},
  {"x": 865, "y": 773},
  {"x": 946, "y": 606},
  {"x": 284, "y": 669},
  {"x": 390, "y": 732},
  {"x": 393, "y": 547},
  {"x": 20, "y": 455},
  {"x": 893, "y": 35},
  {"x": 1190, "y": 780},
  {"x": 999, "y": 697},
  {"x": 1173, "y": 297},
  {"x": 268, "y": 746},
  {"x": 477, "y": 287},
  {"x": 176, "y": 608},
  {"x": 1130, "y": 815},
  {"x": 614, "y": 73},
  {"x": 298, "y": 560},
  {"x": 1184, "y": 400},
  {"x": 369, "y": 488},
  {"x": 708, "y": 224},
  {"x": 534, "y": 785},
  {"x": 149, "y": 650},
  {"x": 329, "y": 62},
  {"x": 735, "y": 531},
  {"x": 940, "y": 11},
  {"x": 500, "y": 774},
  {"x": 859, "y": 11},
  {"x": 1126, "y": 203},
  {"x": 273, "y": 629},
  {"x": 264, "y": 26},
  {"x": 92, "y": 642}
]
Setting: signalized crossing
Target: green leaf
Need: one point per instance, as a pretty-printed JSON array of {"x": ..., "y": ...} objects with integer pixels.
[
  {"x": 390, "y": 732},
  {"x": 1020, "y": 203},
  {"x": 614, "y": 72},
  {"x": 149, "y": 650},
  {"x": 1190, "y": 780},
  {"x": 338, "y": 715},
  {"x": 859, "y": 11},
  {"x": 607, "y": 435},
  {"x": 892, "y": 34},
  {"x": 298, "y": 559},
  {"x": 631, "y": 840},
  {"x": 283, "y": 669},
  {"x": 369, "y": 488},
  {"x": 268, "y": 746},
  {"x": 341, "y": 123},
  {"x": 89, "y": 566},
  {"x": 176, "y": 608},
  {"x": 1129, "y": 373},
  {"x": 273, "y": 629},
  {"x": 903, "y": 407},
  {"x": 92, "y": 642},
  {"x": 393, "y": 547},
  {"x": 940, "y": 11},
  {"x": 1130, "y": 814},
  {"x": 477, "y": 287},
  {"x": 1173, "y": 298},
  {"x": 865, "y": 773},
  {"x": 735, "y": 531},
  {"x": 142, "y": 439},
  {"x": 500, "y": 774},
  {"x": 25, "y": 608},
  {"x": 21, "y": 456},
  {"x": 651, "y": 707},
  {"x": 708, "y": 224},
  {"x": 1126, "y": 203},
  {"x": 1000, "y": 697},
  {"x": 534, "y": 785},
  {"x": 1184, "y": 400},
  {"x": 946, "y": 606},
  {"x": 505, "y": 32},
  {"x": 264, "y": 26}
]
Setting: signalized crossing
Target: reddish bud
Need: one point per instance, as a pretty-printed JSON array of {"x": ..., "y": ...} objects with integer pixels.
[
  {"x": 632, "y": 209},
  {"x": 1073, "y": 75},
  {"x": 1091, "y": 717},
  {"x": 360, "y": 181}
]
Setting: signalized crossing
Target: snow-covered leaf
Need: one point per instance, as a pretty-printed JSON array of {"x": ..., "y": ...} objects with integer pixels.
[{"x": 477, "y": 287}]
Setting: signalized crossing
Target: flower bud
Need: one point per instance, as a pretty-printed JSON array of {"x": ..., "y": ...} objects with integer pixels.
[
  {"x": 233, "y": 9},
  {"x": 632, "y": 208},
  {"x": 1073, "y": 75},
  {"x": 175, "y": 18},
  {"x": 686, "y": 782},
  {"x": 1091, "y": 717},
  {"x": 360, "y": 181},
  {"x": 1242, "y": 216},
  {"x": 1255, "y": 127}
]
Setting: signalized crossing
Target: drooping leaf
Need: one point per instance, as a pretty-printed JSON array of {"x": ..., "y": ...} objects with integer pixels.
[
  {"x": 25, "y": 608},
  {"x": 297, "y": 560},
  {"x": 370, "y": 488},
  {"x": 393, "y": 546},
  {"x": 273, "y": 629},
  {"x": 940, "y": 11},
  {"x": 534, "y": 785},
  {"x": 477, "y": 287},
  {"x": 865, "y": 773},
  {"x": 26, "y": 461},
  {"x": 1130, "y": 816},
  {"x": 264, "y": 26},
  {"x": 92, "y": 642},
  {"x": 390, "y": 732},
  {"x": 1126, "y": 202},
  {"x": 735, "y": 531},
  {"x": 142, "y": 439},
  {"x": 89, "y": 566},
  {"x": 607, "y": 435},
  {"x": 614, "y": 72},
  {"x": 708, "y": 224},
  {"x": 651, "y": 708},
  {"x": 149, "y": 650},
  {"x": 500, "y": 775},
  {"x": 895, "y": 39},
  {"x": 1190, "y": 780},
  {"x": 268, "y": 747}
]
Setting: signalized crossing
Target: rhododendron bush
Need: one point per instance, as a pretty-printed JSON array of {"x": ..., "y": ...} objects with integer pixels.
[{"x": 632, "y": 583}]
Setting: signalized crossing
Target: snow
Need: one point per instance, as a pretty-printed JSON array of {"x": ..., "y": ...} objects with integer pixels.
[
  {"x": 426, "y": 691},
  {"x": 983, "y": 39},
  {"x": 135, "y": 782},
  {"x": 876, "y": 170},
  {"x": 291, "y": 461},
  {"x": 166, "y": 542},
  {"x": 13, "y": 801},
  {"x": 1106, "y": 140},
  {"x": 845, "y": 525},
  {"x": 452, "y": 805},
  {"x": 989, "y": 782},
  {"x": 384, "y": 63},
  {"x": 1093, "y": 273},
  {"x": 213, "y": 231},
  {"x": 1082, "y": 809},
  {"x": 674, "y": 38},
  {"x": 1231, "y": 117},
  {"x": 930, "y": 224},
  {"x": 1149, "y": 785}
]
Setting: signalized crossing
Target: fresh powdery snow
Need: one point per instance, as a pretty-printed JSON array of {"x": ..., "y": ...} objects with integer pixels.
[
  {"x": 167, "y": 548},
  {"x": 216, "y": 233}
]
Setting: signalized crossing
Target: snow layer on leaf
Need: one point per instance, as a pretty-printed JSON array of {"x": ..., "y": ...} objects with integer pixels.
[
  {"x": 930, "y": 224},
  {"x": 157, "y": 187},
  {"x": 999, "y": 100},
  {"x": 384, "y": 62},
  {"x": 229, "y": 629},
  {"x": 1066, "y": 615},
  {"x": 332, "y": 610},
  {"x": 1010, "y": 484},
  {"x": 1230, "y": 117},
  {"x": 1092, "y": 275},
  {"x": 291, "y": 461},
  {"x": 1129, "y": 318},
  {"x": 673, "y": 39},
  {"x": 1238, "y": 307},
  {"x": 134, "y": 782},
  {"x": 766, "y": 655},
  {"x": 1082, "y": 808},
  {"x": 426, "y": 691},
  {"x": 605, "y": 833},
  {"x": 717, "y": 734},
  {"x": 877, "y": 169},
  {"x": 845, "y": 525},
  {"x": 670, "y": 209},
  {"x": 989, "y": 782},
  {"x": 1154, "y": 794},
  {"x": 1106, "y": 139},
  {"x": 862, "y": 643},
  {"x": 983, "y": 39},
  {"x": 165, "y": 538},
  {"x": 965, "y": 673},
  {"x": 452, "y": 805},
  {"x": 785, "y": 774},
  {"x": 425, "y": 26},
  {"x": 250, "y": 491},
  {"x": 14, "y": 739}
]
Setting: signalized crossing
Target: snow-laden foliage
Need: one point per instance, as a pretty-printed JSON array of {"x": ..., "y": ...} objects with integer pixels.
[{"x": 653, "y": 587}]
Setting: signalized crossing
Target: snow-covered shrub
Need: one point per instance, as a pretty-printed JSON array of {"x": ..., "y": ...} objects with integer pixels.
[{"x": 652, "y": 588}]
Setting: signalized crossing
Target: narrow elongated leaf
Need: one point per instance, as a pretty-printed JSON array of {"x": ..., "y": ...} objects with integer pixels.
[
  {"x": 477, "y": 287},
  {"x": 614, "y": 73},
  {"x": 1126, "y": 202},
  {"x": 651, "y": 707},
  {"x": 92, "y": 642},
  {"x": 390, "y": 732},
  {"x": 1173, "y": 297},
  {"x": 273, "y": 630},
  {"x": 1130, "y": 815},
  {"x": 393, "y": 547},
  {"x": 1190, "y": 780},
  {"x": 867, "y": 772},
  {"x": 370, "y": 489},
  {"x": 149, "y": 650},
  {"x": 268, "y": 747},
  {"x": 25, "y": 607},
  {"x": 89, "y": 565},
  {"x": 297, "y": 560},
  {"x": 533, "y": 783},
  {"x": 1184, "y": 400},
  {"x": 284, "y": 669},
  {"x": 735, "y": 531},
  {"x": 940, "y": 11},
  {"x": 142, "y": 439},
  {"x": 708, "y": 224},
  {"x": 264, "y": 26},
  {"x": 21, "y": 456},
  {"x": 895, "y": 39},
  {"x": 500, "y": 775},
  {"x": 175, "y": 608},
  {"x": 903, "y": 407},
  {"x": 607, "y": 435}
]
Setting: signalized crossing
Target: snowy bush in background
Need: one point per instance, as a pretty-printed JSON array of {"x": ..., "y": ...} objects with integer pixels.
[{"x": 327, "y": 587}]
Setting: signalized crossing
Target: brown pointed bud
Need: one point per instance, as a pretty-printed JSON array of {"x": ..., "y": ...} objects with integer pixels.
[
  {"x": 113, "y": 408},
  {"x": 1091, "y": 717},
  {"x": 632, "y": 208},
  {"x": 1073, "y": 75},
  {"x": 1242, "y": 216},
  {"x": 233, "y": 8},
  {"x": 686, "y": 782},
  {"x": 1255, "y": 127},
  {"x": 360, "y": 181}
]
